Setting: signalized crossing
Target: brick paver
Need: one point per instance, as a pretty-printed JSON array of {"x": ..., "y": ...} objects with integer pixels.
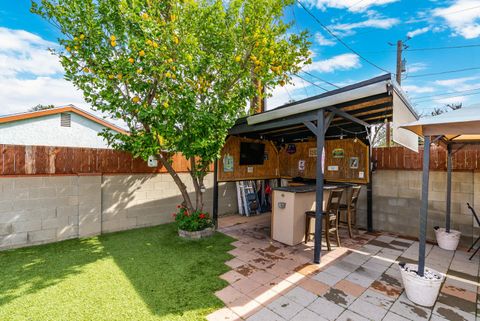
[{"x": 358, "y": 281}]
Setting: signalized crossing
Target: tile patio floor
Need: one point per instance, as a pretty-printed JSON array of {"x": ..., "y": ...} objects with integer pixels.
[{"x": 359, "y": 281}]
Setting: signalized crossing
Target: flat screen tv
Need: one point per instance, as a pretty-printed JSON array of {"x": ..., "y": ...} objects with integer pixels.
[{"x": 252, "y": 153}]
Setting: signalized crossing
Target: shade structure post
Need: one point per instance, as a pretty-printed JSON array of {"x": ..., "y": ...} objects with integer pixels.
[
  {"x": 424, "y": 208},
  {"x": 370, "y": 192},
  {"x": 319, "y": 187},
  {"x": 449, "y": 188},
  {"x": 215, "y": 194}
]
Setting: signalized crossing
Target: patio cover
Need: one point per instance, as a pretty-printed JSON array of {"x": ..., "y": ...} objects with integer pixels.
[
  {"x": 461, "y": 126},
  {"x": 345, "y": 112}
]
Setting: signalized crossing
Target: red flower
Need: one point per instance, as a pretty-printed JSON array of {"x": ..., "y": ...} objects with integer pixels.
[
  {"x": 202, "y": 215},
  {"x": 178, "y": 206},
  {"x": 174, "y": 214}
]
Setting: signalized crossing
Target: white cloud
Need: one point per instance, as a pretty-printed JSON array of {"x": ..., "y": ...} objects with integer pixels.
[
  {"x": 463, "y": 16},
  {"x": 31, "y": 75},
  {"x": 463, "y": 83},
  {"x": 418, "y": 32},
  {"x": 321, "y": 40},
  {"x": 351, "y": 5},
  {"x": 293, "y": 91},
  {"x": 340, "y": 62},
  {"x": 347, "y": 29},
  {"x": 24, "y": 52},
  {"x": 418, "y": 66},
  {"x": 451, "y": 100},
  {"x": 418, "y": 89}
]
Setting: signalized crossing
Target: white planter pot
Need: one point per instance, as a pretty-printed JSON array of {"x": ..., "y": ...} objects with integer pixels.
[
  {"x": 421, "y": 290},
  {"x": 447, "y": 241}
]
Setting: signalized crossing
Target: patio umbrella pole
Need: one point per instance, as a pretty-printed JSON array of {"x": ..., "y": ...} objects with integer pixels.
[
  {"x": 424, "y": 208},
  {"x": 320, "y": 133},
  {"x": 449, "y": 187}
]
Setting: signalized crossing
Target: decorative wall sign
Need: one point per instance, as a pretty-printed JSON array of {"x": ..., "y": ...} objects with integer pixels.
[
  {"x": 338, "y": 153},
  {"x": 228, "y": 163},
  {"x": 301, "y": 165},
  {"x": 361, "y": 174},
  {"x": 353, "y": 162},
  {"x": 333, "y": 168},
  {"x": 312, "y": 152},
  {"x": 291, "y": 148},
  {"x": 249, "y": 169}
]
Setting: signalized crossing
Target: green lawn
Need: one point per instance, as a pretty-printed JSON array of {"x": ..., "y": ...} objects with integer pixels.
[{"x": 144, "y": 274}]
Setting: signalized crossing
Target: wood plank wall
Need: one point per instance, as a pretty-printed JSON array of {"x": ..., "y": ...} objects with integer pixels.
[
  {"x": 41, "y": 160},
  {"x": 401, "y": 158},
  {"x": 269, "y": 169}
]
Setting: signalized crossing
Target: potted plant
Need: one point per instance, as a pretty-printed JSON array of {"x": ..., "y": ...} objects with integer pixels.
[
  {"x": 447, "y": 239},
  {"x": 193, "y": 225},
  {"x": 421, "y": 290}
]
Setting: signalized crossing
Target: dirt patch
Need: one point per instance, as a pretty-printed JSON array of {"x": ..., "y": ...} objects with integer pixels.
[
  {"x": 246, "y": 269},
  {"x": 450, "y": 314},
  {"x": 337, "y": 296},
  {"x": 391, "y": 291},
  {"x": 418, "y": 311}
]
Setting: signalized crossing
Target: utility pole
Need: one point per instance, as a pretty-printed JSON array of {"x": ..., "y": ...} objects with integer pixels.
[{"x": 400, "y": 69}]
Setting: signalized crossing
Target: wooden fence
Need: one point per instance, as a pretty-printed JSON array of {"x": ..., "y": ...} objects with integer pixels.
[
  {"x": 41, "y": 160},
  {"x": 466, "y": 158}
]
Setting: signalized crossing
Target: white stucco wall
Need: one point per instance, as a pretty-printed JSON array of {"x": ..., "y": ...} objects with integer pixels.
[{"x": 46, "y": 131}]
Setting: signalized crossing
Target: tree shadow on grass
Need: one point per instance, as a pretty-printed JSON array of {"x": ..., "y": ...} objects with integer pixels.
[
  {"x": 173, "y": 276},
  {"x": 28, "y": 270}
]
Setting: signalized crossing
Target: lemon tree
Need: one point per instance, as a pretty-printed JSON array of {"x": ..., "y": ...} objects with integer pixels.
[{"x": 177, "y": 72}]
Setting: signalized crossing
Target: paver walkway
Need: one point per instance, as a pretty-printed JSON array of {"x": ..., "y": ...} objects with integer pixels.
[{"x": 359, "y": 281}]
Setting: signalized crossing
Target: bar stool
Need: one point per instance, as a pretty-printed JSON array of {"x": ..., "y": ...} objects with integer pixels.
[
  {"x": 350, "y": 209},
  {"x": 330, "y": 218}
]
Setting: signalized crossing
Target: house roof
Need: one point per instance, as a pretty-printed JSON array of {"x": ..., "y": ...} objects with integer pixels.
[
  {"x": 461, "y": 125},
  {"x": 59, "y": 110}
]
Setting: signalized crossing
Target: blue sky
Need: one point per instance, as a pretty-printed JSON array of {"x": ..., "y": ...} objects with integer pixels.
[{"x": 29, "y": 75}]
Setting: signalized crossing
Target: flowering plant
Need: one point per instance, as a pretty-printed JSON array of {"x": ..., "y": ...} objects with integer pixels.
[{"x": 192, "y": 221}]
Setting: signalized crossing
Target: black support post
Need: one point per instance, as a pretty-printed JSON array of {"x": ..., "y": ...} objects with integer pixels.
[
  {"x": 320, "y": 133},
  {"x": 449, "y": 187},
  {"x": 370, "y": 193},
  {"x": 424, "y": 208},
  {"x": 215, "y": 194}
]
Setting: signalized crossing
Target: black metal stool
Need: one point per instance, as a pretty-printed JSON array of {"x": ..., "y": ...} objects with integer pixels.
[{"x": 478, "y": 238}]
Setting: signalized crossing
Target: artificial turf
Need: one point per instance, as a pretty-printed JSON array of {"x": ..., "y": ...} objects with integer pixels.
[{"x": 143, "y": 274}]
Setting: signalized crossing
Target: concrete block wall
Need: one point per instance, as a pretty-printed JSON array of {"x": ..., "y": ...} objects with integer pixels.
[
  {"x": 36, "y": 210},
  {"x": 397, "y": 201}
]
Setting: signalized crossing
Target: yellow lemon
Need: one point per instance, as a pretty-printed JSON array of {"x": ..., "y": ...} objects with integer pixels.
[
  {"x": 174, "y": 76},
  {"x": 120, "y": 76},
  {"x": 155, "y": 45},
  {"x": 173, "y": 17},
  {"x": 168, "y": 74},
  {"x": 175, "y": 40},
  {"x": 131, "y": 60},
  {"x": 145, "y": 15},
  {"x": 82, "y": 36},
  {"x": 75, "y": 38},
  {"x": 238, "y": 58},
  {"x": 113, "y": 43},
  {"x": 69, "y": 49},
  {"x": 169, "y": 60},
  {"x": 136, "y": 99},
  {"x": 247, "y": 19},
  {"x": 111, "y": 76},
  {"x": 189, "y": 57},
  {"x": 113, "y": 38},
  {"x": 75, "y": 47},
  {"x": 141, "y": 53},
  {"x": 86, "y": 69},
  {"x": 165, "y": 104},
  {"x": 282, "y": 83},
  {"x": 139, "y": 71}
]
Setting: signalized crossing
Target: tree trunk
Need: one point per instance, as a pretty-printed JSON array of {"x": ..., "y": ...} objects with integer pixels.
[
  {"x": 196, "y": 184},
  {"x": 178, "y": 181}
]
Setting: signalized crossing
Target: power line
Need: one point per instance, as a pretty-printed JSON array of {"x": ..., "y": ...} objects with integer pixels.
[
  {"x": 318, "y": 78},
  {"x": 471, "y": 94},
  {"x": 339, "y": 39},
  {"x": 443, "y": 72},
  {"x": 311, "y": 83},
  {"x": 442, "y": 48},
  {"x": 446, "y": 94}
]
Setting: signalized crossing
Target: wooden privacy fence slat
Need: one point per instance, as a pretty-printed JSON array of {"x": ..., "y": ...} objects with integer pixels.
[
  {"x": 46, "y": 160},
  {"x": 465, "y": 158}
]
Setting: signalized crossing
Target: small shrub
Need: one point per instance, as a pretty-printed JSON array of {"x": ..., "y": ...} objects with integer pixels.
[{"x": 192, "y": 221}]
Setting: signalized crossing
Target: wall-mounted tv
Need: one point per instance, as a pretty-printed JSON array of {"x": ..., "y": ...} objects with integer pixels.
[{"x": 251, "y": 153}]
